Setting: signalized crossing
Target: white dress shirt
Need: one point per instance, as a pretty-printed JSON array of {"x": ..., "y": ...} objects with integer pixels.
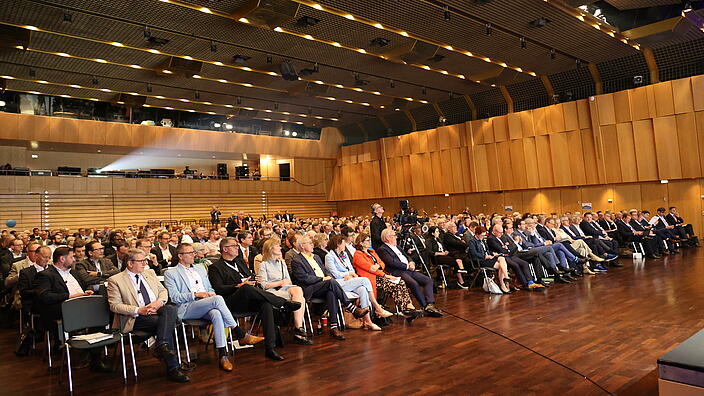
[
  {"x": 136, "y": 280},
  {"x": 166, "y": 253},
  {"x": 73, "y": 286},
  {"x": 194, "y": 279},
  {"x": 39, "y": 268},
  {"x": 400, "y": 255}
]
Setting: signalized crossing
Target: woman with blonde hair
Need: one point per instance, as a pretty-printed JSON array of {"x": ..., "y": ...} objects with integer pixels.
[{"x": 276, "y": 280}]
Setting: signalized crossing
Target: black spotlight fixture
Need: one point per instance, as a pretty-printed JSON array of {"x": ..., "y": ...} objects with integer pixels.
[
  {"x": 380, "y": 42},
  {"x": 95, "y": 81},
  {"x": 32, "y": 73},
  {"x": 392, "y": 84},
  {"x": 276, "y": 106},
  {"x": 310, "y": 110},
  {"x": 552, "y": 53},
  {"x": 147, "y": 34},
  {"x": 637, "y": 80},
  {"x": 446, "y": 15},
  {"x": 523, "y": 42},
  {"x": 68, "y": 17},
  {"x": 578, "y": 63},
  {"x": 213, "y": 47},
  {"x": 269, "y": 59},
  {"x": 197, "y": 95},
  {"x": 157, "y": 41},
  {"x": 241, "y": 59},
  {"x": 149, "y": 88},
  {"x": 308, "y": 71},
  {"x": 488, "y": 29},
  {"x": 307, "y": 21},
  {"x": 424, "y": 91},
  {"x": 540, "y": 22},
  {"x": 239, "y": 100},
  {"x": 437, "y": 58}
]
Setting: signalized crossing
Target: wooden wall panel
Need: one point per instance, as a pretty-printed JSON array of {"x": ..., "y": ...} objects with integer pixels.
[
  {"x": 505, "y": 165},
  {"x": 481, "y": 171},
  {"x": 667, "y": 148},
  {"x": 550, "y": 201},
  {"x": 682, "y": 96},
  {"x": 458, "y": 174},
  {"x": 646, "y": 158},
  {"x": 559, "y": 149},
  {"x": 689, "y": 146},
  {"x": 488, "y": 131},
  {"x": 492, "y": 160},
  {"x": 570, "y": 199},
  {"x": 583, "y": 114},
  {"x": 598, "y": 196},
  {"x": 627, "y": 196},
  {"x": 576, "y": 158},
  {"x": 531, "y": 202},
  {"x": 639, "y": 103},
  {"x": 515, "y": 127},
  {"x": 686, "y": 196},
  {"x": 698, "y": 92},
  {"x": 699, "y": 120},
  {"x": 433, "y": 143},
  {"x": 545, "y": 175},
  {"x": 653, "y": 196},
  {"x": 514, "y": 199},
  {"x": 590, "y": 161},
  {"x": 664, "y": 101},
  {"x": 500, "y": 128},
  {"x": 443, "y": 134},
  {"x": 437, "y": 165},
  {"x": 626, "y": 152},
  {"x": 531, "y": 166},
  {"x": 518, "y": 164},
  {"x": 569, "y": 110},
  {"x": 540, "y": 123},
  {"x": 418, "y": 181},
  {"x": 477, "y": 131},
  {"x": 555, "y": 118},
  {"x": 527, "y": 123},
  {"x": 10, "y": 126},
  {"x": 607, "y": 114},
  {"x": 622, "y": 106}
]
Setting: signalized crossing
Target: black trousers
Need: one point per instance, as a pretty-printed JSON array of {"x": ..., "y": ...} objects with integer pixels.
[
  {"x": 421, "y": 286},
  {"x": 248, "y": 298},
  {"x": 161, "y": 325},
  {"x": 570, "y": 249},
  {"x": 331, "y": 291},
  {"x": 596, "y": 247},
  {"x": 521, "y": 268}
]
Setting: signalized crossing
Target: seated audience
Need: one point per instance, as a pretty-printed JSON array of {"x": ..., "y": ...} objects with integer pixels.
[
  {"x": 165, "y": 253},
  {"x": 119, "y": 258},
  {"x": 275, "y": 279},
  {"x": 441, "y": 256},
  {"x": 138, "y": 296},
  {"x": 246, "y": 251},
  {"x": 190, "y": 289},
  {"x": 310, "y": 273},
  {"x": 685, "y": 230},
  {"x": 399, "y": 264},
  {"x": 480, "y": 251},
  {"x": 320, "y": 241},
  {"x": 95, "y": 268},
  {"x": 496, "y": 244}
]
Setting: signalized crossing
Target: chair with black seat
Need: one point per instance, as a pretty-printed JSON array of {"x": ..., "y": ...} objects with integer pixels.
[
  {"x": 486, "y": 272},
  {"x": 88, "y": 312}
]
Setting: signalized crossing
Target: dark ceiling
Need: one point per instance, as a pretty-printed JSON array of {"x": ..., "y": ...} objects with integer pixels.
[{"x": 84, "y": 29}]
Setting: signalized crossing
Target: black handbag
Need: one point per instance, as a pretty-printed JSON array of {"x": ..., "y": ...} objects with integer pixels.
[{"x": 24, "y": 343}]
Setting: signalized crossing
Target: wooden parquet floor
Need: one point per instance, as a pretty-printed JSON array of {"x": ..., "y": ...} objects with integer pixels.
[{"x": 605, "y": 329}]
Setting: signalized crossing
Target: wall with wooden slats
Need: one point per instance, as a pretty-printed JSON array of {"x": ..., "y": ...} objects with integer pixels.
[
  {"x": 73, "y": 202},
  {"x": 686, "y": 194},
  {"x": 24, "y": 128},
  {"x": 644, "y": 134}
]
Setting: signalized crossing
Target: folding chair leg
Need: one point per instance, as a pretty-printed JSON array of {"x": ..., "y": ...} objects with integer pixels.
[
  {"x": 48, "y": 346},
  {"x": 341, "y": 316},
  {"x": 122, "y": 350},
  {"x": 232, "y": 343},
  {"x": 70, "y": 373},
  {"x": 442, "y": 275},
  {"x": 307, "y": 319},
  {"x": 134, "y": 363},
  {"x": 185, "y": 343},
  {"x": 178, "y": 346}
]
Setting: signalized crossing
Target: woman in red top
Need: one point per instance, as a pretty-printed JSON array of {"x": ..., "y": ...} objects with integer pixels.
[{"x": 369, "y": 265}]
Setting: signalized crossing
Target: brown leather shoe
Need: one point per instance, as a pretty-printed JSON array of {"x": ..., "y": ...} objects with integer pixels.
[
  {"x": 225, "y": 364},
  {"x": 336, "y": 334},
  {"x": 360, "y": 312},
  {"x": 251, "y": 340}
]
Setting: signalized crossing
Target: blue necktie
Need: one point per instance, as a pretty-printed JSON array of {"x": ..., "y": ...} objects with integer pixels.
[{"x": 143, "y": 291}]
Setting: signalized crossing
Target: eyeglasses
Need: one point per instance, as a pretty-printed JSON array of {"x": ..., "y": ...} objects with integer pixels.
[
  {"x": 140, "y": 261},
  {"x": 229, "y": 246},
  {"x": 191, "y": 252}
]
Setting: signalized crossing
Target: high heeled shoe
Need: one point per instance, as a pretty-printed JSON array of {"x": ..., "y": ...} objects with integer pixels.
[
  {"x": 372, "y": 327},
  {"x": 384, "y": 314}
]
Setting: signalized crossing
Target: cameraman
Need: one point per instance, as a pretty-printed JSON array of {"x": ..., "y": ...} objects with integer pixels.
[{"x": 377, "y": 225}]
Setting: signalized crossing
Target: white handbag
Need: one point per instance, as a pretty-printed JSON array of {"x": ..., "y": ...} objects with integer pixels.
[{"x": 491, "y": 287}]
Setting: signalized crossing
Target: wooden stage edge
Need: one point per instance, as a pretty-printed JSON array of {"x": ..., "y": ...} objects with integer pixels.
[{"x": 600, "y": 335}]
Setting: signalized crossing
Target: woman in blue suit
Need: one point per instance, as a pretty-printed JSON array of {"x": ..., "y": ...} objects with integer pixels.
[
  {"x": 341, "y": 269},
  {"x": 480, "y": 251}
]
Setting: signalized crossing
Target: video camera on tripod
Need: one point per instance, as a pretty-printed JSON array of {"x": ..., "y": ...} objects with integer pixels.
[{"x": 408, "y": 217}]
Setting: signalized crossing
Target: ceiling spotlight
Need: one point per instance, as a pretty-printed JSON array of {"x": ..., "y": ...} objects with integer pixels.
[
  {"x": 578, "y": 63},
  {"x": 446, "y": 15},
  {"x": 216, "y": 125},
  {"x": 488, "y": 29},
  {"x": 276, "y": 106},
  {"x": 149, "y": 88},
  {"x": 269, "y": 59},
  {"x": 157, "y": 41},
  {"x": 239, "y": 100},
  {"x": 240, "y": 59},
  {"x": 424, "y": 91},
  {"x": 523, "y": 42},
  {"x": 552, "y": 53},
  {"x": 2, "y": 103},
  {"x": 95, "y": 81},
  {"x": 213, "y": 47},
  {"x": 197, "y": 95},
  {"x": 294, "y": 133},
  {"x": 380, "y": 41},
  {"x": 32, "y": 73},
  {"x": 68, "y": 17},
  {"x": 286, "y": 133},
  {"x": 306, "y": 21},
  {"x": 392, "y": 84}
]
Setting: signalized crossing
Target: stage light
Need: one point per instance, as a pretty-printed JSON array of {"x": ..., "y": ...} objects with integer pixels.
[
  {"x": 213, "y": 47},
  {"x": 240, "y": 59},
  {"x": 294, "y": 133},
  {"x": 2, "y": 103},
  {"x": 552, "y": 53},
  {"x": 523, "y": 42},
  {"x": 446, "y": 15},
  {"x": 228, "y": 126},
  {"x": 380, "y": 41},
  {"x": 307, "y": 21},
  {"x": 286, "y": 133},
  {"x": 488, "y": 29}
]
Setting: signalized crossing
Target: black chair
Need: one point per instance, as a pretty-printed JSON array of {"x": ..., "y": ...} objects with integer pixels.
[
  {"x": 479, "y": 270},
  {"x": 83, "y": 313}
]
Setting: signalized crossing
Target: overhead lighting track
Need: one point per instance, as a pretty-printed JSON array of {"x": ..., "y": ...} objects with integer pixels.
[
  {"x": 159, "y": 97},
  {"x": 357, "y": 49},
  {"x": 215, "y": 63}
]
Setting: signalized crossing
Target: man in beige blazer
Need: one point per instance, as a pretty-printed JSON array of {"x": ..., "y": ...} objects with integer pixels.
[{"x": 140, "y": 301}]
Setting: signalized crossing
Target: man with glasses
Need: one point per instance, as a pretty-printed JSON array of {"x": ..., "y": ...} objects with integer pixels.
[
  {"x": 232, "y": 279},
  {"x": 377, "y": 225},
  {"x": 13, "y": 277},
  {"x": 190, "y": 289},
  {"x": 137, "y": 296},
  {"x": 165, "y": 253},
  {"x": 400, "y": 265},
  {"x": 95, "y": 269},
  {"x": 146, "y": 246}
]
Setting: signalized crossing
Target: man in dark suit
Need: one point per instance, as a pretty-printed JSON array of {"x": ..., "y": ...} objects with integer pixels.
[
  {"x": 658, "y": 228},
  {"x": 165, "y": 253},
  {"x": 573, "y": 231},
  {"x": 119, "y": 259},
  {"x": 454, "y": 244},
  {"x": 308, "y": 271},
  {"x": 6, "y": 258},
  {"x": 56, "y": 284},
  {"x": 232, "y": 279},
  {"x": 377, "y": 225},
  {"x": 423, "y": 250},
  {"x": 95, "y": 269},
  {"x": 592, "y": 229},
  {"x": 25, "y": 282},
  {"x": 520, "y": 266},
  {"x": 685, "y": 230},
  {"x": 399, "y": 264},
  {"x": 246, "y": 251},
  {"x": 629, "y": 234},
  {"x": 549, "y": 235}
]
